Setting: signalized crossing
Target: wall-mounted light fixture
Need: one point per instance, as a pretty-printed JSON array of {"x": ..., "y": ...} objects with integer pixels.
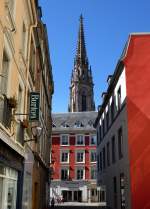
[{"x": 36, "y": 132}]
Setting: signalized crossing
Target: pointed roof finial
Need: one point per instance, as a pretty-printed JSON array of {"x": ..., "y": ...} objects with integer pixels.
[{"x": 81, "y": 18}]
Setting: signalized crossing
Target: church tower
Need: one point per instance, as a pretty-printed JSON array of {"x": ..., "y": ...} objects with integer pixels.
[{"x": 81, "y": 89}]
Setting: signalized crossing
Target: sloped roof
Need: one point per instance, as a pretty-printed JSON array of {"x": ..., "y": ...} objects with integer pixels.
[{"x": 74, "y": 121}]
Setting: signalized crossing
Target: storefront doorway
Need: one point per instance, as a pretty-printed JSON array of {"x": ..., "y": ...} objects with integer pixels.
[
  {"x": 8, "y": 187},
  {"x": 72, "y": 196}
]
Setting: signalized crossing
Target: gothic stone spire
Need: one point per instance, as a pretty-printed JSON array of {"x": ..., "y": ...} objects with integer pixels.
[{"x": 81, "y": 89}]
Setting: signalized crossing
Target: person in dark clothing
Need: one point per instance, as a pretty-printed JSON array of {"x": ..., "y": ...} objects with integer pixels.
[{"x": 52, "y": 202}]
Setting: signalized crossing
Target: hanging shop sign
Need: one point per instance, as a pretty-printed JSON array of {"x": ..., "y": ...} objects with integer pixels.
[{"x": 34, "y": 106}]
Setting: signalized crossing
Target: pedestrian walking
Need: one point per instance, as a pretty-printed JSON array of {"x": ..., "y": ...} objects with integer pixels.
[{"x": 52, "y": 202}]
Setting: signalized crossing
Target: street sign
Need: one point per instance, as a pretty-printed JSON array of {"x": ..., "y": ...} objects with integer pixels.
[{"x": 34, "y": 106}]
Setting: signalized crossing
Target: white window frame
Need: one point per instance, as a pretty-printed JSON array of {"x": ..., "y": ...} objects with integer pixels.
[
  {"x": 91, "y": 139},
  {"x": 77, "y": 168},
  {"x": 92, "y": 151},
  {"x": 80, "y": 151},
  {"x": 64, "y": 151},
  {"x": 77, "y": 140},
  {"x": 8, "y": 51},
  {"x": 61, "y": 140},
  {"x": 68, "y": 173},
  {"x": 93, "y": 167}
]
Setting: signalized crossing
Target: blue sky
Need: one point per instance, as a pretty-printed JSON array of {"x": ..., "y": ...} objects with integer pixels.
[{"x": 107, "y": 24}]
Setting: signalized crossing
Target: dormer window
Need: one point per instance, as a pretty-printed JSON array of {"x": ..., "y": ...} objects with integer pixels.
[
  {"x": 90, "y": 123},
  {"x": 64, "y": 125},
  {"x": 78, "y": 124},
  {"x": 53, "y": 125}
]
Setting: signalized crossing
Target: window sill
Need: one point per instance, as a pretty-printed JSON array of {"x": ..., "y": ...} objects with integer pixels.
[
  {"x": 64, "y": 162},
  {"x": 80, "y": 162}
]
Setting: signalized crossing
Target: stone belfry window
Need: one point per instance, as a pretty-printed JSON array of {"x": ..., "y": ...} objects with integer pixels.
[{"x": 84, "y": 102}]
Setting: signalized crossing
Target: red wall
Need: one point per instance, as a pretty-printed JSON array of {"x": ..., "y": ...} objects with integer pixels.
[
  {"x": 137, "y": 64},
  {"x": 56, "y": 156}
]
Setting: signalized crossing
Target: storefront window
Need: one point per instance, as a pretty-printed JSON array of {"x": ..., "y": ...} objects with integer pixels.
[{"x": 8, "y": 185}]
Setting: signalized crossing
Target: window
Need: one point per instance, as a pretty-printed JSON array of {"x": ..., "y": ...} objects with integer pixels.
[
  {"x": 90, "y": 123},
  {"x": 100, "y": 161},
  {"x": 119, "y": 97},
  {"x": 5, "y": 112},
  {"x": 102, "y": 196},
  {"x": 104, "y": 158},
  {"x": 93, "y": 140},
  {"x": 64, "y": 140},
  {"x": 108, "y": 154},
  {"x": 100, "y": 133},
  {"x": 78, "y": 124},
  {"x": 20, "y": 133},
  {"x": 120, "y": 143},
  {"x": 107, "y": 120},
  {"x": 65, "y": 156},
  {"x": 19, "y": 103},
  {"x": 32, "y": 61},
  {"x": 93, "y": 173},
  {"x": 115, "y": 191},
  {"x": 93, "y": 156},
  {"x": 64, "y": 174},
  {"x": 24, "y": 37},
  {"x": 5, "y": 73},
  {"x": 98, "y": 140},
  {"x": 80, "y": 173},
  {"x": 103, "y": 125},
  {"x": 80, "y": 156},
  {"x": 80, "y": 140},
  {"x": 64, "y": 125},
  {"x": 8, "y": 187},
  {"x": 112, "y": 110},
  {"x": 11, "y": 5},
  {"x": 53, "y": 125},
  {"x": 122, "y": 190},
  {"x": 113, "y": 149}
]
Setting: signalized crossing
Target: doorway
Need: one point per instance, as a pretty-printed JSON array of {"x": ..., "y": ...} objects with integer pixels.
[{"x": 72, "y": 196}]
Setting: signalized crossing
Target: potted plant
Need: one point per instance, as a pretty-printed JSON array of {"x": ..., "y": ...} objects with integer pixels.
[
  {"x": 25, "y": 123},
  {"x": 12, "y": 102}
]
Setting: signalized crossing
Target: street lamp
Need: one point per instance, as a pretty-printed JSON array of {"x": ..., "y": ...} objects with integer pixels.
[{"x": 36, "y": 132}]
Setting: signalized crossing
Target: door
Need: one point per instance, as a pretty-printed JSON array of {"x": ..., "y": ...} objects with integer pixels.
[
  {"x": 79, "y": 196},
  {"x": 75, "y": 196},
  {"x": 69, "y": 196}
]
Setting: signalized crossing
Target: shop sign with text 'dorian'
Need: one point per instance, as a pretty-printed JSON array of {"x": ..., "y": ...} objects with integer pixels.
[{"x": 34, "y": 106}]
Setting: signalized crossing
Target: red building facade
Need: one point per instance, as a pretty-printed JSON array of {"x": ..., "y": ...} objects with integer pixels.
[
  {"x": 72, "y": 147},
  {"x": 137, "y": 64},
  {"x": 73, "y": 157},
  {"x": 123, "y": 147}
]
